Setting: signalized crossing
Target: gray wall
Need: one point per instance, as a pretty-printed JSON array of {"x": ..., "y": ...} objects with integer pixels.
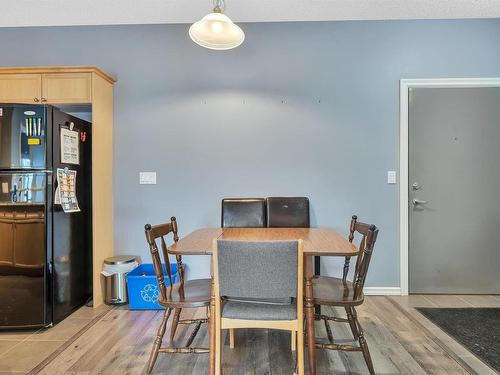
[{"x": 300, "y": 109}]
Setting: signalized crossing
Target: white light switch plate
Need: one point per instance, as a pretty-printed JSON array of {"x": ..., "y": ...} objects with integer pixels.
[
  {"x": 147, "y": 178},
  {"x": 391, "y": 177}
]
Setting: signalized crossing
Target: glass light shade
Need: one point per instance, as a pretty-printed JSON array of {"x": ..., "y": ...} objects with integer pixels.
[{"x": 216, "y": 31}]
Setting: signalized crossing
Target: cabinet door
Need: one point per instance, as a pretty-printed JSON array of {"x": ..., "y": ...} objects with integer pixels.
[
  {"x": 29, "y": 244},
  {"x": 71, "y": 88},
  {"x": 20, "y": 88},
  {"x": 6, "y": 241}
]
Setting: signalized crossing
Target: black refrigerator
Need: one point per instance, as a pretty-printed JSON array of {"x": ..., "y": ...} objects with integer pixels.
[{"x": 45, "y": 215}]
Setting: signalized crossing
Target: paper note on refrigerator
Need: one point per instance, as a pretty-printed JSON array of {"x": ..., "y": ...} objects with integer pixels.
[
  {"x": 66, "y": 181},
  {"x": 57, "y": 196},
  {"x": 70, "y": 150}
]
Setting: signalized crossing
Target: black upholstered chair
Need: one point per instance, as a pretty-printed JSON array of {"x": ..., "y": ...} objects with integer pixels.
[
  {"x": 243, "y": 213},
  {"x": 290, "y": 212},
  {"x": 287, "y": 212}
]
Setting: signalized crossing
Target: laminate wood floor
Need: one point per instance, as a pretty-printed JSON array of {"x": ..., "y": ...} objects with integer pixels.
[{"x": 118, "y": 341}]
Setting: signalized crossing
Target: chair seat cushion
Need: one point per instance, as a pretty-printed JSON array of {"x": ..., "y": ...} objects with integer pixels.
[
  {"x": 258, "y": 311},
  {"x": 195, "y": 293},
  {"x": 271, "y": 301},
  {"x": 332, "y": 291}
]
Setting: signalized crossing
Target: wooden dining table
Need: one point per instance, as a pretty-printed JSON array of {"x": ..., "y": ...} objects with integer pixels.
[{"x": 316, "y": 242}]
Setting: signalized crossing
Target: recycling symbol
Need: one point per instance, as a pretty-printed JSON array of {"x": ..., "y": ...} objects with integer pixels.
[{"x": 150, "y": 293}]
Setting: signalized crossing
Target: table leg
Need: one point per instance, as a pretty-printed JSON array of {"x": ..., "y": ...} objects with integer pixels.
[
  {"x": 317, "y": 266},
  {"x": 309, "y": 307},
  {"x": 211, "y": 330},
  {"x": 317, "y": 272}
]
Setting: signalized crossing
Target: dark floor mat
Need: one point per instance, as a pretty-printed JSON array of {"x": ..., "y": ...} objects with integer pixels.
[{"x": 478, "y": 329}]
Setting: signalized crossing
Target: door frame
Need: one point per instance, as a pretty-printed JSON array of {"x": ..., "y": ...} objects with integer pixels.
[{"x": 404, "y": 86}]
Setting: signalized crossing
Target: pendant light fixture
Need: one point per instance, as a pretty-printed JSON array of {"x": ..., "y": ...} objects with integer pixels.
[{"x": 216, "y": 30}]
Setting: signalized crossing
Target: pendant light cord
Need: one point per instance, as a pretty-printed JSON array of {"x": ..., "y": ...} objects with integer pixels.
[{"x": 219, "y": 6}]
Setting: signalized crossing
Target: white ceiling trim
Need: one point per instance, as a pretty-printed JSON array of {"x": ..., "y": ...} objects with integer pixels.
[{"x": 15, "y": 13}]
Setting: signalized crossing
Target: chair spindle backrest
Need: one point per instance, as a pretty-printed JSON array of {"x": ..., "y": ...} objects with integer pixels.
[
  {"x": 369, "y": 233},
  {"x": 351, "y": 239},
  {"x": 153, "y": 233}
]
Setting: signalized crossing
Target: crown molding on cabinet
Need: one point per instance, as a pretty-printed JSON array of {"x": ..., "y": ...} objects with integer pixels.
[{"x": 58, "y": 69}]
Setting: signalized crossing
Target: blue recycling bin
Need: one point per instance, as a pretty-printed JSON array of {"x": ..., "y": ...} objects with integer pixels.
[{"x": 143, "y": 291}]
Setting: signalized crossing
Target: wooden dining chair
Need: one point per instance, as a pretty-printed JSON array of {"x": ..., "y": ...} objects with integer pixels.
[
  {"x": 185, "y": 294},
  {"x": 253, "y": 270},
  {"x": 243, "y": 213},
  {"x": 340, "y": 292}
]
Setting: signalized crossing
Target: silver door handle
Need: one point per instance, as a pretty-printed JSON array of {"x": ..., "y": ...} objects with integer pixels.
[{"x": 416, "y": 201}]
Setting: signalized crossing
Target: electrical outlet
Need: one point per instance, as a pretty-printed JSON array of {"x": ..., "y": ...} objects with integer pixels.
[
  {"x": 147, "y": 178},
  {"x": 391, "y": 177}
]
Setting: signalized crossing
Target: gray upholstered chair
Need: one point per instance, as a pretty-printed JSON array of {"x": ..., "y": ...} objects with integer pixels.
[
  {"x": 255, "y": 270},
  {"x": 246, "y": 213}
]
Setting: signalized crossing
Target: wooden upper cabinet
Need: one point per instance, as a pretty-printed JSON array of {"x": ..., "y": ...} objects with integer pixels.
[
  {"x": 49, "y": 85},
  {"x": 20, "y": 88},
  {"x": 72, "y": 88},
  {"x": 50, "y": 88}
]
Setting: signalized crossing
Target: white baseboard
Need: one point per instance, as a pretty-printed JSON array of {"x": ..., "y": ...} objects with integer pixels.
[{"x": 382, "y": 291}]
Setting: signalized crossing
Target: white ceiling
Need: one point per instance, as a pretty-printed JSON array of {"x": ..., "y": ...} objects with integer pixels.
[{"x": 109, "y": 12}]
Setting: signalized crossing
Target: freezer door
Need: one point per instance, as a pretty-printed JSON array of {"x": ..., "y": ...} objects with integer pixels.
[
  {"x": 72, "y": 231},
  {"x": 23, "y": 281},
  {"x": 22, "y": 136}
]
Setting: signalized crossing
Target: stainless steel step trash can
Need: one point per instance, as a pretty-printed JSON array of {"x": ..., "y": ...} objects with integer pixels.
[{"x": 115, "y": 270}]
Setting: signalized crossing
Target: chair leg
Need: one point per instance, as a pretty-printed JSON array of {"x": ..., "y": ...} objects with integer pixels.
[
  {"x": 293, "y": 343},
  {"x": 363, "y": 344},
  {"x": 328, "y": 331},
  {"x": 366, "y": 354},
  {"x": 175, "y": 323},
  {"x": 158, "y": 340},
  {"x": 300, "y": 351},
  {"x": 218, "y": 348},
  {"x": 352, "y": 317},
  {"x": 193, "y": 335},
  {"x": 231, "y": 337}
]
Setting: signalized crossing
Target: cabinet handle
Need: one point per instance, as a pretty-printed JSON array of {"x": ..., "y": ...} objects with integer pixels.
[
  {"x": 36, "y": 100},
  {"x": 44, "y": 100}
]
